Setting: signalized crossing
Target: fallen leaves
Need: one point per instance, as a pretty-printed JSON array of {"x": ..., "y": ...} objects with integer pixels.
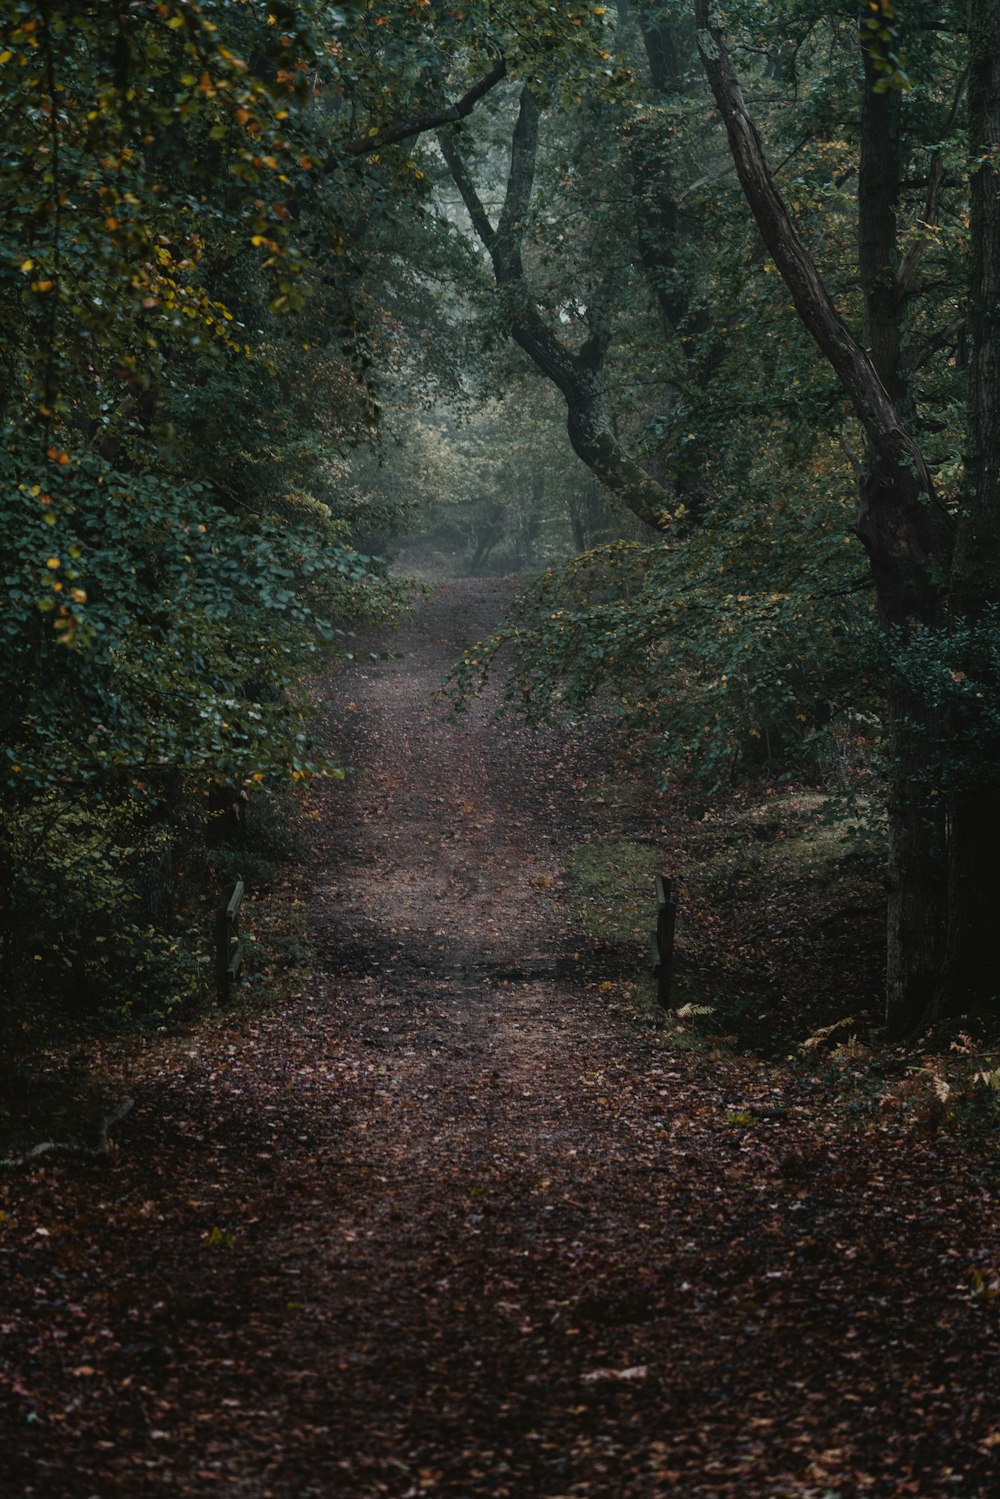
[{"x": 451, "y": 1223}]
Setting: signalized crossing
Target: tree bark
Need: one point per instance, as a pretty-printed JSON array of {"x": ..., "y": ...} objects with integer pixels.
[
  {"x": 972, "y": 972},
  {"x": 577, "y": 374},
  {"x": 906, "y": 532}
]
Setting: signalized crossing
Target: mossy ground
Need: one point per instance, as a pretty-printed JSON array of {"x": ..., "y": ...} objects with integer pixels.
[{"x": 780, "y": 907}]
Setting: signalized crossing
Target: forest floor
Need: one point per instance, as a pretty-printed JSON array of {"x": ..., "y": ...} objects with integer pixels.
[{"x": 462, "y": 1220}]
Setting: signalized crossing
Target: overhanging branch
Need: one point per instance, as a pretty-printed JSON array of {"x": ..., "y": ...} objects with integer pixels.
[{"x": 419, "y": 124}]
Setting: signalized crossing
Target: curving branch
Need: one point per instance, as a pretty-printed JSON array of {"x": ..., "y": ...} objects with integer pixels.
[
  {"x": 578, "y": 375},
  {"x": 906, "y": 530},
  {"x": 419, "y": 124}
]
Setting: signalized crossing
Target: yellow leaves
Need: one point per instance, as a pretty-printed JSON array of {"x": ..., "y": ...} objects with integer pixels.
[
  {"x": 175, "y": 23},
  {"x": 27, "y": 265},
  {"x": 53, "y": 563},
  {"x": 42, "y": 285}
]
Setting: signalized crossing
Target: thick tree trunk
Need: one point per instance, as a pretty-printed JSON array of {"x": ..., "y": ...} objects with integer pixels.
[
  {"x": 906, "y": 532},
  {"x": 972, "y": 968}
]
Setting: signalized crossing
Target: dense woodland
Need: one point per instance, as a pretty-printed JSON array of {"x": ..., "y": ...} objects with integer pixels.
[
  {"x": 687, "y": 313},
  {"x": 460, "y": 459}
]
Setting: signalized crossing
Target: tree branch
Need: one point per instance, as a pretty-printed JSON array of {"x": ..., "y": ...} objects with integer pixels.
[
  {"x": 918, "y": 354},
  {"x": 906, "y": 530},
  {"x": 579, "y": 376},
  {"x": 420, "y": 124},
  {"x": 812, "y": 301},
  {"x": 520, "y": 183}
]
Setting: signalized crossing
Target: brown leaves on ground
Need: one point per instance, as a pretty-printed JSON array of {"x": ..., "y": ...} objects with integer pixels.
[{"x": 459, "y": 1222}]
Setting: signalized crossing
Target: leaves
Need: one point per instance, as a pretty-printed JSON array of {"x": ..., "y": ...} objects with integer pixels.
[{"x": 459, "y": 1227}]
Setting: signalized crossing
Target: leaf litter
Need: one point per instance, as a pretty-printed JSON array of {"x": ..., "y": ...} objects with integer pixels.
[{"x": 457, "y": 1221}]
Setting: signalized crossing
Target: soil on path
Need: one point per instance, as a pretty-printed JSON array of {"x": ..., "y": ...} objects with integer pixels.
[{"x": 456, "y": 1224}]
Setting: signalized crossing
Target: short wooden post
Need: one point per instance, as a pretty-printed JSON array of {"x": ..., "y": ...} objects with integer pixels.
[
  {"x": 228, "y": 945},
  {"x": 663, "y": 938}
]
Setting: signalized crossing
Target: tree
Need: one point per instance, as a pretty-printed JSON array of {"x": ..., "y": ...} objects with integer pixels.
[
  {"x": 930, "y": 587},
  {"x": 974, "y": 812},
  {"x": 161, "y": 604},
  {"x": 577, "y": 372}
]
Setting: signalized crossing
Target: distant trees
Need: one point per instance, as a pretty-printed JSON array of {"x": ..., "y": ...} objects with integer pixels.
[{"x": 492, "y": 485}]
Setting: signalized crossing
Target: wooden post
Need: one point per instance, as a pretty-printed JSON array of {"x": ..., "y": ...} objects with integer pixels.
[{"x": 663, "y": 938}]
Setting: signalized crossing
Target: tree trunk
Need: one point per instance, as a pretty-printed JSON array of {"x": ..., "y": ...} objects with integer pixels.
[
  {"x": 906, "y": 532},
  {"x": 972, "y": 967},
  {"x": 577, "y": 374}
]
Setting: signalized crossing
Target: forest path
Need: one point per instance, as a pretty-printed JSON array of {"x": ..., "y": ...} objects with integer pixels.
[{"x": 454, "y": 1224}]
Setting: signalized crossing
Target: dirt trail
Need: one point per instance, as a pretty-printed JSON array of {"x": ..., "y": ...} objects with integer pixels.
[{"x": 455, "y": 1225}]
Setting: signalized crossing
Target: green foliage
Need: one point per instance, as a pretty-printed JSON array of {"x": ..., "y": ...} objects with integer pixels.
[
  {"x": 880, "y": 32},
  {"x": 80, "y": 938},
  {"x": 730, "y": 648},
  {"x": 158, "y": 649},
  {"x": 115, "y": 121},
  {"x": 952, "y": 676},
  {"x": 172, "y": 551},
  {"x": 141, "y": 616}
]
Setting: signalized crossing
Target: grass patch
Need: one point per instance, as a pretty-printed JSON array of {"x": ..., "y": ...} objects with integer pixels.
[{"x": 614, "y": 894}]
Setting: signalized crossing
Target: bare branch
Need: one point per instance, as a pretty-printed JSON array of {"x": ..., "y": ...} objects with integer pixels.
[
  {"x": 420, "y": 124},
  {"x": 467, "y": 190}
]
